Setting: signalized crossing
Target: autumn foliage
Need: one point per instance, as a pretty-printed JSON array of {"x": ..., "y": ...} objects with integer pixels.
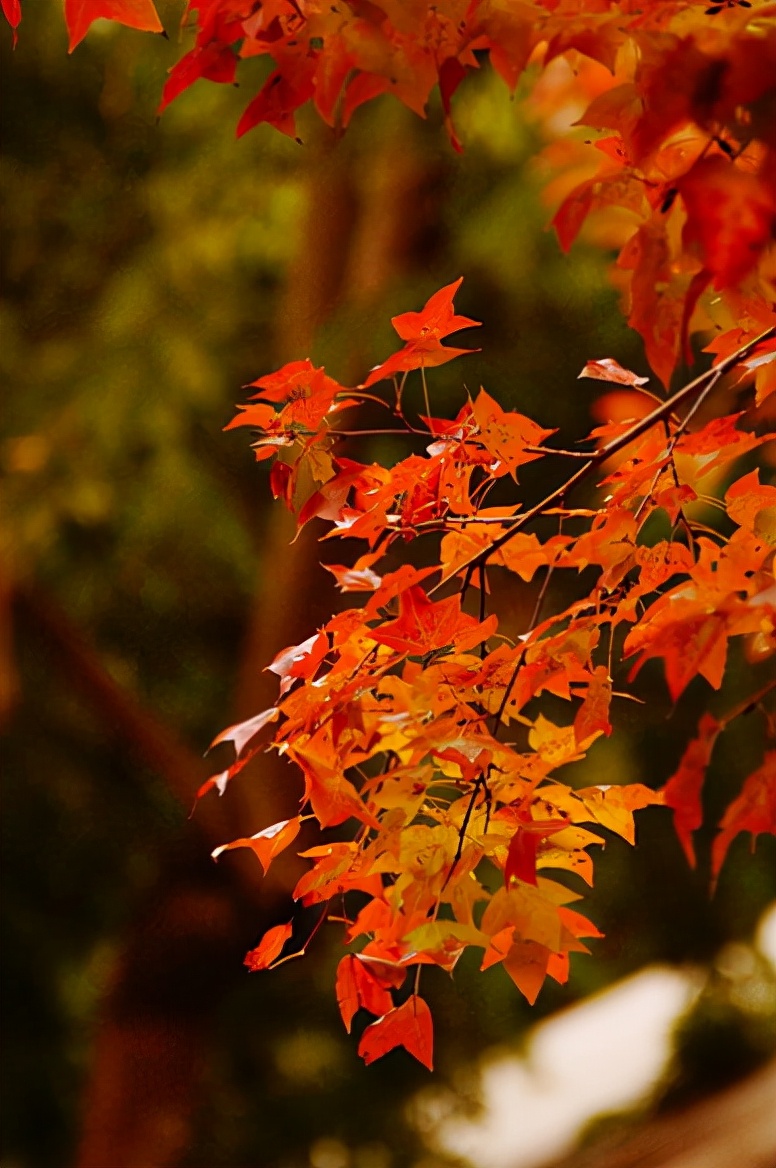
[{"x": 415, "y": 715}]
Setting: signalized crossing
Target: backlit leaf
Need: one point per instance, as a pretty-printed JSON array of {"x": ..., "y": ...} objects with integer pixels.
[
  {"x": 269, "y": 948},
  {"x": 409, "y": 1025},
  {"x": 682, "y": 792},
  {"x": 266, "y": 844},
  {"x": 81, "y": 14},
  {"x": 754, "y": 810}
]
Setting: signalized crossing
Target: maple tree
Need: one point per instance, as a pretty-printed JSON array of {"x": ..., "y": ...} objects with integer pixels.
[{"x": 415, "y": 714}]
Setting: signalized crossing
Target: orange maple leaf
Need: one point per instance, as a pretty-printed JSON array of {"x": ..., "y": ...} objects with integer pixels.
[
  {"x": 409, "y": 1025},
  {"x": 269, "y": 948},
  {"x": 266, "y": 844},
  {"x": 506, "y": 435}
]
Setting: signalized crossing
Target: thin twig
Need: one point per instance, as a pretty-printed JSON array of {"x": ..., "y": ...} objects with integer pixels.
[
  {"x": 427, "y": 400},
  {"x": 483, "y": 605},
  {"x": 747, "y": 704},
  {"x": 479, "y": 783},
  {"x": 672, "y": 441},
  {"x": 555, "y": 450},
  {"x": 361, "y": 433},
  {"x": 664, "y": 410}
]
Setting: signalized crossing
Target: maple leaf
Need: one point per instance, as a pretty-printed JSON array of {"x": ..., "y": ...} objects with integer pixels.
[
  {"x": 682, "y": 792},
  {"x": 81, "y": 14},
  {"x": 524, "y": 555},
  {"x": 12, "y": 11},
  {"x": 307, "y": 394},
  {"x": 524, "y": 848},
  {"x": 281, "y": 482},
  {"x": 451, "y": 74},
  {"x": 359, "y": 578},
  {"x": 424, "y": 331},
  {"x": 695, "y": 643},
  {"x": 749, "y": 502},
  {"x": 279, "y": 99},
  {"x": 299, "y": 661},
  {"x": 709, "y": 448},
  {"x": 222, "y": 780},
  {"x": 244, "y": 732},
  {"x": 358, "y": 988},
  {"x": 613, "y": 807},
  {"x": 408, "y": 1025},
  {"x": 657, "y": 295},
  {"x": 592, "y": 718},
  {"x": 607, "y": 369},
  {"x": 337, "y": 868},
  {"x": 506, "y": 435},
  {"x": 731, "y": 216},
  {"x": 424, "y": 626},
  {"x": 527, "y": 963},
  {"x": 269, "y": 948},
  {"x": 460, "y": 547},
  {"x": 266, "y": 844},
  {"x": 498, "y": 947},
  {"x": 754, "y": 810},
  {"x": 689, "y": 625},
  {"x": 555, "y": 744},
  {"x": 437, "y": 318},
  {"x": 614, "y": 188},
  {"x": 762, "y": 362},
  {"x": 529, "y": 910}
]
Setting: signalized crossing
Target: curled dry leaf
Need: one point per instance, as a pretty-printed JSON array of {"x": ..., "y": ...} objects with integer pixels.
[{"x": 607, "y": 369}]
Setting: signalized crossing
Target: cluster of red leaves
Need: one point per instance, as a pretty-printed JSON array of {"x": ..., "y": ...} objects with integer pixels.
[
  {"x": 681, "y": 93},
  {"x": 415, "y": 715}
]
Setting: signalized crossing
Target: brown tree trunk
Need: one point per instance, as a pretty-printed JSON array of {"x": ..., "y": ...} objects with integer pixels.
[{"x": 153, "y": 1036}]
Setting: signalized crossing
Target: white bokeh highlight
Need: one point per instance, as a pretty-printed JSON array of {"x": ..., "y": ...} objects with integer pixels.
[{"x": 604, "y": 1054}]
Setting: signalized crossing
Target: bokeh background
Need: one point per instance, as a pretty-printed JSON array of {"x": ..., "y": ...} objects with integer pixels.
[{"x": 150, "y": 269}]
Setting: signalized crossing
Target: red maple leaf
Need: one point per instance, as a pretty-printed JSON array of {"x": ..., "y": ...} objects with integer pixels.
[
  {"x": 81, "y": 14},
  {"x": 683, "y": 790},
  {"x": 424, "y": 331},
  {"x": 12, "y": 11},
  {"x": 424, "y": 625},
  {"x": 754, "y": 811},
  {"x": 358, "y": 988},
  {"x": 731, "y": 216}
]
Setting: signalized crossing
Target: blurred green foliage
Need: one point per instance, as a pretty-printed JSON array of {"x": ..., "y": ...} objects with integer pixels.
[{"x": 144, "y": 267}]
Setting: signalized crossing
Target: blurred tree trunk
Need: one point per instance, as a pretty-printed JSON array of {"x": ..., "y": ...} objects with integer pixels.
[
  {"x": 364, "y": 228},
  {"x": 157, "y": 1017},
  {"x": 9, "y": 678}
]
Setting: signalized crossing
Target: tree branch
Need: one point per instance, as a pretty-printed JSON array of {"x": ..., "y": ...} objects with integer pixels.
[
  {"x": 121, "y": 712},
  {"x": 661, "y": 412}
]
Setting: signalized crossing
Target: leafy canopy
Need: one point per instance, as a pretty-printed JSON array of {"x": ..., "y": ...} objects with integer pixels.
[
  {"x": 677, "y": 97},
  {"x": 416, "y": 715}
]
